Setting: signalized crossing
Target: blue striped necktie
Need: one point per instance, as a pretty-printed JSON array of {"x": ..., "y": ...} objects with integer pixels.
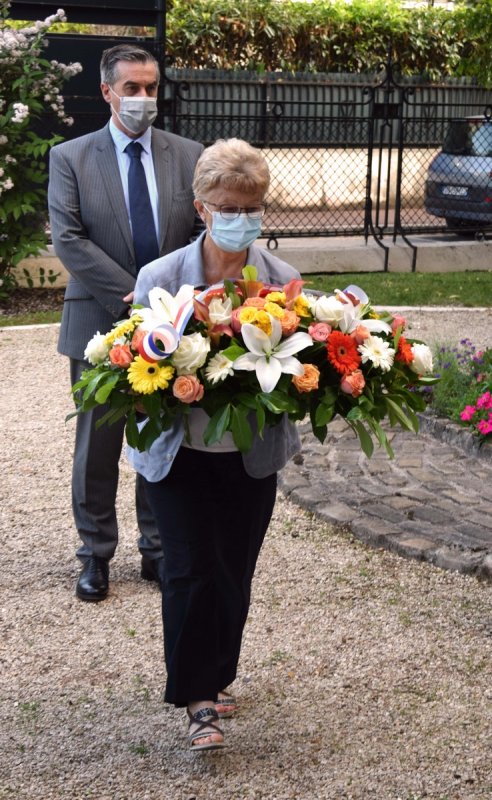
[{"x": 143, "y": 228}]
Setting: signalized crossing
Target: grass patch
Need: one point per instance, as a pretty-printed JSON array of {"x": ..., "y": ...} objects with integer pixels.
[
  {"x": 469, "y": 289},
  {"x": 30, "y": 318}
]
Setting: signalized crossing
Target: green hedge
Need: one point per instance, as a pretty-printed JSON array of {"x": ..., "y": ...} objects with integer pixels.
[{"x": 324, "y": 36}]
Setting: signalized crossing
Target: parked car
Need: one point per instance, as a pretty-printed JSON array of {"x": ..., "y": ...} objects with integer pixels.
[{"x": 459, "y": 179}]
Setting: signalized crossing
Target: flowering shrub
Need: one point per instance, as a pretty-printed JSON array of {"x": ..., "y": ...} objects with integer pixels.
[
  {"x": 464, "y": 391},
  {"x": 242, "y": 349},
  {"x": 29, "y": 86}
]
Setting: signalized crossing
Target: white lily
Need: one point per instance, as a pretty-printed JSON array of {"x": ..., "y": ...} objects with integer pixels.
[
  {"x": 164, "y": 308},
  {"x": 352, "y": 315},
  {"x": 268, "y": 356}
]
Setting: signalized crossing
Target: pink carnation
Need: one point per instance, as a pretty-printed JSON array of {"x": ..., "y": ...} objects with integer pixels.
[
  {"x": 467, "y": 413},
  {"x": 485, "y": 426},
  {"x": 485, "y": 401}
]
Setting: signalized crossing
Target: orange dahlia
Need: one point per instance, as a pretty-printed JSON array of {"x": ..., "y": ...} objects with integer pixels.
[{"x": 342, "y": 352}]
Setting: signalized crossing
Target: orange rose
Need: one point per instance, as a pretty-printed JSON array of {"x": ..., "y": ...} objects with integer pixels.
[
  {"x": 353, "y": 383},
  {"x": 360, "y": 334},
  {"x": 255, "y": 302},
  {"x": 289, "y": 322},
  {"x": 120, "y": 355},
  {"x": 137, "y": 339},
  {"x": 187, "y": 389},
  {"x": 307, "y": 382}
]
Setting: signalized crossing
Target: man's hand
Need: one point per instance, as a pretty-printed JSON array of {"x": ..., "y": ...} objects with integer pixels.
[{"x": 128, "y": 298}]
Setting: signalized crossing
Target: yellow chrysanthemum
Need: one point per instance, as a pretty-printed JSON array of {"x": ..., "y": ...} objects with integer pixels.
[
  {"x": 146, "y": 377},
  {"x": 125, "y": 327},
  {"x": 274, "y": 309},
  {"x": 247, "y": 314},
  {"x": 263, "y": 321},
  {"x": 301, "y": 306},
  {"x": 276, "y": 297}
]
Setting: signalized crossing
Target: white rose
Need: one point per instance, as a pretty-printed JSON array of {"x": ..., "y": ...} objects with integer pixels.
[
  {"x": 220, "y": 311},
  {"x": 329, "y": 309},
  {"x": 97, "y": 350},
  {"x": 422, "y": 359},
  {"x": 191, "y": 353}
]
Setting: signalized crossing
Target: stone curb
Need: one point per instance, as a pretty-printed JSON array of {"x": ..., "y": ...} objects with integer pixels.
[{"x": 410, "y": 521}]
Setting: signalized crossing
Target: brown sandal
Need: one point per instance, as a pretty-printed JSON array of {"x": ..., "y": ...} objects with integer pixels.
[
  {"x": 204, "y": 718},
  {"x": 226, "y": 706}
]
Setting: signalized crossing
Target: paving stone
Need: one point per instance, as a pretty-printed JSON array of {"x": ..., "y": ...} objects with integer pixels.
[
  {"x": 433, "y": 501},
  {"x": 433, "y": 514}
]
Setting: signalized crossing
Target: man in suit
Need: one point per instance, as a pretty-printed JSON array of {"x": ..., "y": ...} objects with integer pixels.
[{"x": 103, "y": 244}]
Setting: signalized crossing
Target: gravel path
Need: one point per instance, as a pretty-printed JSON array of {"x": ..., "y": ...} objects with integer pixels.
[{"x": 363, "y": 676}]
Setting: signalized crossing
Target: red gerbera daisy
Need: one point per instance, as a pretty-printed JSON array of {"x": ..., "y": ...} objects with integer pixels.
[
  {"x": 404, "y": 353},
  {"x": 342, "y": 352}
]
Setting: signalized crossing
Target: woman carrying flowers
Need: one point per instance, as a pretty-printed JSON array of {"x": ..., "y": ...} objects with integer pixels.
[{"x": 213, "y": 503}]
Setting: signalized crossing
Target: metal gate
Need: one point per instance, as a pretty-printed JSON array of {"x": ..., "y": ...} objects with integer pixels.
[{"x": 348, "y": 156}]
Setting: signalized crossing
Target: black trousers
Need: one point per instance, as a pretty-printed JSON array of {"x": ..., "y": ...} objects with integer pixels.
[{"x": 212, "y": 518}]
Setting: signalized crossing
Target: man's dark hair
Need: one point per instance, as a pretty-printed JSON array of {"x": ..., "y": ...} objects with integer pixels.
[{"x": 123, "y": 52}]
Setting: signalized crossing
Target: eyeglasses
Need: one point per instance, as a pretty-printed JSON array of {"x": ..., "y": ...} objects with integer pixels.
[{"x": 233, "y": 212}]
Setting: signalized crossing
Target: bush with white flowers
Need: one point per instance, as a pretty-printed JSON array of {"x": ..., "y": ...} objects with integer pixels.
[{"x": 30, "y": 86}]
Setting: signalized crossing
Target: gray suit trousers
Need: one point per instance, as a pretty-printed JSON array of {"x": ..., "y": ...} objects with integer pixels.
[{"x": 95, "y": 484}]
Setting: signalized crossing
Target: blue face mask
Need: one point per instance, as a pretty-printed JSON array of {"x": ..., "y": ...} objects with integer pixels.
[{"x": 234, "y": 235}]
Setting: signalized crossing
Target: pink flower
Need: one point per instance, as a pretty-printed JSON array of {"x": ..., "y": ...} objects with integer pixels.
[
  {"x": 319, "y": 331},
  {"x": 485, "y": 401},
  {"x": 398, "y": 322},
  {"x": 353, "y": 383},
  {"x": 188, "y": 389},
  {"x": 235, "y": 321},
  {"x": 485, "y": 426},
  {"x": 467, "y": 413}
]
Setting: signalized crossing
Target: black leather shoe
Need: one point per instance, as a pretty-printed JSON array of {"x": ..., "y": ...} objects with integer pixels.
[
  {"x": 93, "y": 582},
  {"x": 151, "y": 569}
]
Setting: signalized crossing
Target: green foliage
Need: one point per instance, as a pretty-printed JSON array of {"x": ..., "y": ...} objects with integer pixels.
[
  {"x": 465, "y": 381},
  {"x": 29, "y": 86},
  {"x": 325, "y": 36},
  {"x": 473, "y": 22},
  {"x": 470, "y": 289}
]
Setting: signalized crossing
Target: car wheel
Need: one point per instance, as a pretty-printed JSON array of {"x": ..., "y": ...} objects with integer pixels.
[{"x": 464, "y": 227}]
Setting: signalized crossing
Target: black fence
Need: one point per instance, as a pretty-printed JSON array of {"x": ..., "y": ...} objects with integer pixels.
[{"x": 349, "y": 154}]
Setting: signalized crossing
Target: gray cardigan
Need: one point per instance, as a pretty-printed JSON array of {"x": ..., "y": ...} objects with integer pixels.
[{"x": 268, "y": 454}]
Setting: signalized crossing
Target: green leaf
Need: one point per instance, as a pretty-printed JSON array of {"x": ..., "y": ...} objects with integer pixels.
[
  {"x": 104, "y": 391},
  {"x": 364, "y": 437},
  {"x": 241, "y": 429},
  {"x": 218, "y": 425},
  {"x": 397, "y": 414},
  {"x": 278, "y": 403},
  {"x": 250, "y": 273},
  {"x": 233, "y": 352},
  {"x": 131, "y": 431}
]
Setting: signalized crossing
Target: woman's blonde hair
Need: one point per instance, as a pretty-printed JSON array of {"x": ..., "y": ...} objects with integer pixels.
[{"x": 231, "y": 164}]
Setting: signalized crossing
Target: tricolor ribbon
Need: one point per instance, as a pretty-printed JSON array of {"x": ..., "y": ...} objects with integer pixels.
[{"x": 162, "y": 341}]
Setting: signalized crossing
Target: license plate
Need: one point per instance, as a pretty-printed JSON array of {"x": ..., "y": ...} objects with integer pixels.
[{"x": 455, "y": 191}]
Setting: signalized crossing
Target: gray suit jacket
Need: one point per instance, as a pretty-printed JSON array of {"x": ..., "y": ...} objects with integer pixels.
[{"x": 91, "y": 232}]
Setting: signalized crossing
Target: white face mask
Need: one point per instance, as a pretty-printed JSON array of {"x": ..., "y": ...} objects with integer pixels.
[{"x": 136, "y": 113}]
